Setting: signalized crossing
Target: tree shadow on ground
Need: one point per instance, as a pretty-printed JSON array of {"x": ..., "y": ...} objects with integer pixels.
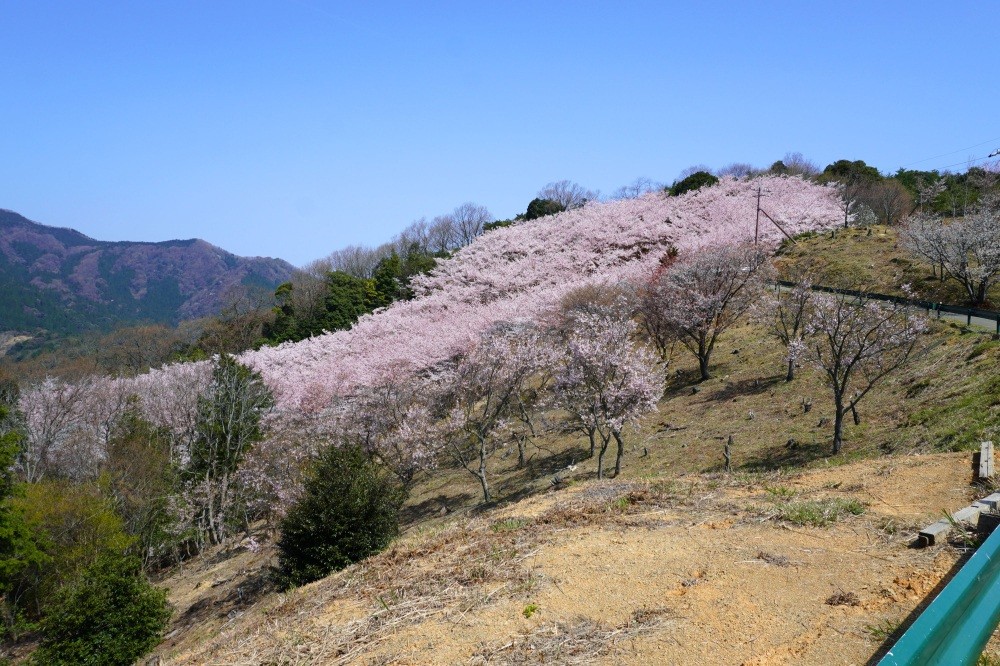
[
  {"x": 784, "y": 456},
  {"x": 433, "y": 507},
  {"x": 536, "y": 476},
  {"x": 744, "y": 387}
]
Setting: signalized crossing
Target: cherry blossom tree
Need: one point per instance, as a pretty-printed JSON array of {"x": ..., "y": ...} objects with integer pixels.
[
  {"x": 785, "y": 315},
  {"x": 484, "y": 394},
  {"x": 698, "y": 298},
  {"x": 605, "y": 381},
  {"x": 393, "y": 423},
  {"x": 857, "y": 343},
  {"x": 968, "y": 249},
  {"x": 53, "y": 411},
  {"x": 515, "y": 273}
]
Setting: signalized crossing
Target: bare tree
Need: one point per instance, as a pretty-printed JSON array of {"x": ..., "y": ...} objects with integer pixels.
[
  {"x": 798, "y": 165},
  {"x": 890, "y": 200},
  {"x": 442, "y": 237},
  {"x": 698, "y": 298},
  {"x": 469, "y": 219},
  {"x": 357, "y": 260},
  {"x": 414, "y": 238},
  {"x": 738, "y": 170},
  {"x": 857, "y": 343},
  {"x": 567, "y": 193},
  {"x": 637, "y": 188}
]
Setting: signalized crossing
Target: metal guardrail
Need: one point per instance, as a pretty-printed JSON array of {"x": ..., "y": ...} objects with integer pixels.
[
  {"x": 968, "y": 313},
  {"x": 955, "y": 627}
]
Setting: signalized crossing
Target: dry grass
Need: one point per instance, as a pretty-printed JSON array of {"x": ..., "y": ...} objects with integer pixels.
[{"x": 581, "y": 641}]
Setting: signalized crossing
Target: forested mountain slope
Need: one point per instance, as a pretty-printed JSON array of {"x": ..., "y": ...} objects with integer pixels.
[{"x": 63, "y": 281}]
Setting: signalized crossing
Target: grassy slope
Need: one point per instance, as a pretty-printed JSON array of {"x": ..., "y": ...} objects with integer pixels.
[
  {"x": 457, "y": 587},
  {"x": 872, "y": 259}
]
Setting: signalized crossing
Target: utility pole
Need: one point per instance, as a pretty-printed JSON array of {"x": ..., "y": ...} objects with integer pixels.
[
  {"x": 756, "y": 229},
  {"x": 756, "y": 226}
]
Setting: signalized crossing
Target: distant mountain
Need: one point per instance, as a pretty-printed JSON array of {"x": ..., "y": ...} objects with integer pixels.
[{"x": 63, "y": 281}]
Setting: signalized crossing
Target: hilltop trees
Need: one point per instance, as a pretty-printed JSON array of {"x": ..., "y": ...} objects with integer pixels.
[
  {"x": 695, "y": 181},
  {"x": 567, "y": 194}
]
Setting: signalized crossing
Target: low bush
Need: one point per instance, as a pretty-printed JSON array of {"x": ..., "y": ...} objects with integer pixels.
[
  {"x": 349, "y": 510},
  {"x": 110, "y": 615}
]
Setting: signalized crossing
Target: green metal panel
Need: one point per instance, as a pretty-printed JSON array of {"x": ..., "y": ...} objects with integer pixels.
[{"x": 955, "y": 627}]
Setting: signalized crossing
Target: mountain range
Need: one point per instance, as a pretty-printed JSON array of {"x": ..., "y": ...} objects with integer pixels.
[{"x": 63, "y": 281}]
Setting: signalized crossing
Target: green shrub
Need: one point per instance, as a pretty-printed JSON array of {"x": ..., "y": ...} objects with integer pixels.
[
  {"x": 695, "y": 181},
  {"x": 542, "y": 207},
  {"x": 110, "y": 615},
  {"x": 348, "y": 511}
]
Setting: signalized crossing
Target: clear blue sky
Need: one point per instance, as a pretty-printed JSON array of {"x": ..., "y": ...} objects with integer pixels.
[{"x": 292, "y": 127}]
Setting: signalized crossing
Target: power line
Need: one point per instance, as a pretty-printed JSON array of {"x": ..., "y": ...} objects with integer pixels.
[
  {"x": 970, "y": 161},
  {"x": 928, "y": 159}
]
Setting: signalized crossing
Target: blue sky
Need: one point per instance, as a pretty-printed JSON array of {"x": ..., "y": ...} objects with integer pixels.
[{"x": 290, "y": 128}]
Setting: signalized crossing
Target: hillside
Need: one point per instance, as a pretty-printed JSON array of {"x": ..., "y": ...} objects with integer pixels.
[
  {"x": 65, "y": 282},
  {"x": 672, "y": 562},
  {"x": 795, "y": 555},
  {"x": 520, "y": 272},
  {"x": 696, "y": 569}
]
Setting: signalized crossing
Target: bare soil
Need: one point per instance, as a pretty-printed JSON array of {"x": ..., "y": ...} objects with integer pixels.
[{"x": 698, "y": 569}]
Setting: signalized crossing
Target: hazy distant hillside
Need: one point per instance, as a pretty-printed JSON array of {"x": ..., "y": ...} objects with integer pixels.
[{"x": 63, "y": 281}]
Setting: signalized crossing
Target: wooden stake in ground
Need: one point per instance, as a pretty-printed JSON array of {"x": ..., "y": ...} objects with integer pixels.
[{"x": 728, "y": 454}]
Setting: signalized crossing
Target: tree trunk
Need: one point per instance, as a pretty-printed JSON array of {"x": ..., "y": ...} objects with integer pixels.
[
  {"x": 600, "y": 456},
  {"x": 790, "y": 375},
  {"x": 520, "y": 452},
  {"x": 593, "y": 442},
  {"x": 703, "y": 366},
  {"x": 621, "y": 452},
  {"x": 481, "y": 475},
  {"x": 854, "y": 413},
  {"x": 838, "y": 429}
]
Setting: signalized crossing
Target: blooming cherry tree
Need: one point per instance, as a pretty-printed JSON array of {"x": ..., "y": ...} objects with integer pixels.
[
  {"x": 484, "y": 393},
  {"x": 605, "y": 381},
  {"x": 967, "y": 249},
  {"x": 857, "y": 343},
  {"x": 785, "y": 315},
  {"x": 698, "y": 298}
]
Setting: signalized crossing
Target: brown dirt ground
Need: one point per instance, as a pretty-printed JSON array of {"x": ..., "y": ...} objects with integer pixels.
[{"x": 691, "y": 571}]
